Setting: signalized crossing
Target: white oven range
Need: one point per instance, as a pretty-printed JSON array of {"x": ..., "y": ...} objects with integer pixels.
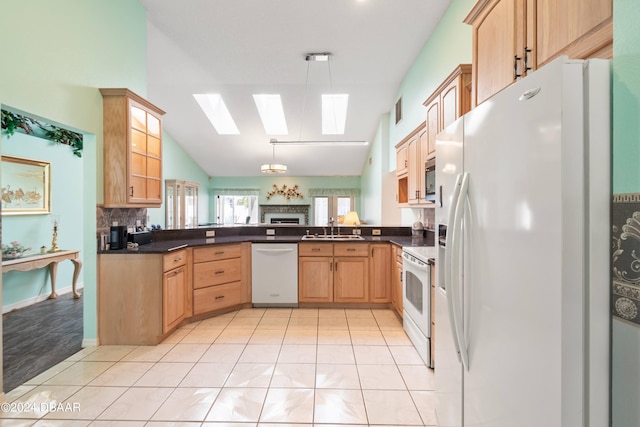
[{"x": 416, "y": 297}]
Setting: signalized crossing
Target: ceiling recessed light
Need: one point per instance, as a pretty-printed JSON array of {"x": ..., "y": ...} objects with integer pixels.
[
  {"x": 334, "y": 113},
  {"x": 217, "y": 113},
  {"x": 271, "y": 113}
]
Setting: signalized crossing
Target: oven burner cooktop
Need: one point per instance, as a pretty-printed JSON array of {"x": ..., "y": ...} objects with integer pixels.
[{"x": 423, "y": 253}]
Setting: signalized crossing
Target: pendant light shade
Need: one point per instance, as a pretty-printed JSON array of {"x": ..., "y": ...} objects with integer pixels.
[{"x": 273, "y": 167}]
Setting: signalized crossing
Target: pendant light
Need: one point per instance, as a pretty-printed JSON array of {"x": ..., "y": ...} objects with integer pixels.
[
  {"x": 273, "y": 167},
  {"x": 317, "y": 57}
]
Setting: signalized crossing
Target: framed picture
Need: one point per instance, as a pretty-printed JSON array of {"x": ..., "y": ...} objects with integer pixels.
[{"x": 25, "y": 186}]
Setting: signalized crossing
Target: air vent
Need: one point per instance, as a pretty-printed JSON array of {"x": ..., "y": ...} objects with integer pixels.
[{"x": 399, "y": 110}]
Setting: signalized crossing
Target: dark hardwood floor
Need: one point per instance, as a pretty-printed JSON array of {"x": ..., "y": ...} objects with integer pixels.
[{"x": 38, "y": 337}]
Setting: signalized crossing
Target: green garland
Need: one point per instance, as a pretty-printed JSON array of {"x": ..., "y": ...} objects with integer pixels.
[{"x": 12, "y": 123}]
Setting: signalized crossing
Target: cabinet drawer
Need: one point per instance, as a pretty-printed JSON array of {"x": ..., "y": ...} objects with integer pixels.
[
  {"x": 216, "y": 297},
  {"x": 216, "y": 272},
  {"x": 315, "y": 249},
  {"x": 213, "y": 253},
  {"x": 174, "y": 259},
  {"x": 351, "y": 249}
]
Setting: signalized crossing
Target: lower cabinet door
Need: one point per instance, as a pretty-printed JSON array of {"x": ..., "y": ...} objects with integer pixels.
[
  {"x": 351, "y": 279},
  {"x": 217, "y": 297},
  {"x": 315, "y": 279},
  {"x": 174, "y": 293}
]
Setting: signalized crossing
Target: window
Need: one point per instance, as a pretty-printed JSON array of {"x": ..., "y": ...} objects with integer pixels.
[
  {"x": 325, "y": 207},
  {"x": 237, "y": 209}
]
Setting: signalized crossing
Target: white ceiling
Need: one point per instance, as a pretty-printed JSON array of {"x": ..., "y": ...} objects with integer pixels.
[{"x": 241, "y": 47}]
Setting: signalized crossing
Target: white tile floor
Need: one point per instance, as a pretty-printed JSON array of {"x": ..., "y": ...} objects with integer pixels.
[{"x": 247, "y": 368}]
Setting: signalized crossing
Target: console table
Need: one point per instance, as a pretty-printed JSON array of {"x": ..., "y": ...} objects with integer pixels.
[{"x": 51, "y": 260}]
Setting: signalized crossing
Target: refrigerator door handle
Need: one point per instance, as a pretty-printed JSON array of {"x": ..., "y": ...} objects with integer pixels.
[
  {"x": 456, "y": 285},
  {"x": 451, "y": 237}
]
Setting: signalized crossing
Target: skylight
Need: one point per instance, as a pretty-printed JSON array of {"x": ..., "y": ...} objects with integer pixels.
[
  {"x": 217, "y": 113},
  {"x": 271, "y": 113},
  {"x": 334, "y": 113}
]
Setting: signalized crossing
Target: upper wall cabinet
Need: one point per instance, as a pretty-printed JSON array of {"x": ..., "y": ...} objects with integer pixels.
[
  {"x": 513, "y": 37},
  {"x": 448, "y": 102},
  {"x": 132, "y": 150}
]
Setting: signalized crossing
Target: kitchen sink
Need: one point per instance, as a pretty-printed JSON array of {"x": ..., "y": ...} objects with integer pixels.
[{"x": 332, "y": 237}]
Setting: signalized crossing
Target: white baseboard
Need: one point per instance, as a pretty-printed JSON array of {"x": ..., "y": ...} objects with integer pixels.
[
  {"x": 30, "y": 301},
  {"x": 89, "y": 342}
]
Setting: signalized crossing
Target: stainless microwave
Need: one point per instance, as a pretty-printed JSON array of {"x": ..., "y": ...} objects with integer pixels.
[{"x": 430, "y": 180}]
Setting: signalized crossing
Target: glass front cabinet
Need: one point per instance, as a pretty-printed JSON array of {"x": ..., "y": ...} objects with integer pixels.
[{"x": 181, "y": 201}]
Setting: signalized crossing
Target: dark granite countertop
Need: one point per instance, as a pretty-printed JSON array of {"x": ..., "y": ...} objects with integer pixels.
[{"x": 177, "y": 241}]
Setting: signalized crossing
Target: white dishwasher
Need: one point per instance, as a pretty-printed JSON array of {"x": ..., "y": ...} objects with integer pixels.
[{"x": 274, "y": 274}]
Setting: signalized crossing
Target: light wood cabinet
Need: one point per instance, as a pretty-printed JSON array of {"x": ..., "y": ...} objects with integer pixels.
[
  {"x": 132, "y": 137},
  {"x": 351, "y": 279},
  {"x": 330, "y": 272},
  {"x": 174, "y": 290},
  {"x": 220, "y": 277},
  {"x": 513, "y": 37},
  {"x": 432, "y": 126},
  {"x": 396, "y": 279},
  {"x": 447, "y": 103},
  {"x": 181, "y": 204},
  {"x": 411, "y": 181},
  {"x": 417, "y": 159},
  {"x": 141, "y": 297},
  {"x": 380, "y": 272},
  {"x": 402, "y": 161},
  {"x": 315, "y": 279}
]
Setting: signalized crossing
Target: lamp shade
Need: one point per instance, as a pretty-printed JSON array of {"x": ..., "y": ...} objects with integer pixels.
[
  {"x": 351, "y": 218},
  {"x": 273, "y": 168}
]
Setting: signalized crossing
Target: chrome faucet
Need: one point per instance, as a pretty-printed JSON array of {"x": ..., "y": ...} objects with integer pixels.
[{"x": 331, "y": 221}]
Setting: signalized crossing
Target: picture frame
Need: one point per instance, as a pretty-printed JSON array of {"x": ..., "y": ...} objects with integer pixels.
[{"x": 25, "y": 186}]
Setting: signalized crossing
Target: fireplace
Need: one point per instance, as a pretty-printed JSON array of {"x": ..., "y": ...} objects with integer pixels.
[
  {"x": 285, "y": 220},
  {"x": 284, "y": 214}
]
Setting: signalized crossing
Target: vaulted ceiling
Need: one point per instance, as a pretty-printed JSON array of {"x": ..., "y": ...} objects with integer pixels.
[{"x": 238, "y": 48}]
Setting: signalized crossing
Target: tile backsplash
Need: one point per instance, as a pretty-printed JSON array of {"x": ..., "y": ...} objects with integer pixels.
[
  {"x": 105, "y": 218},
  {"x": 625, "y": 257}
]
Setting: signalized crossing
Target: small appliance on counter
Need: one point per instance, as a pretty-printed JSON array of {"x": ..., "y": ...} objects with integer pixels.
[
  {"x": 417, "y": 229},
  {"x": 118, "y": 237},
  {"x": 140, "y": 237}
]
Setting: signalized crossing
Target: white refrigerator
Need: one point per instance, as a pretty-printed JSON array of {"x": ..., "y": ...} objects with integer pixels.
[{"x": 522, "y": 296}]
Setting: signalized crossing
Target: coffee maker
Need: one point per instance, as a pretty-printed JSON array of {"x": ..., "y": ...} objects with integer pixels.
[{"x": 118, "y": 237}]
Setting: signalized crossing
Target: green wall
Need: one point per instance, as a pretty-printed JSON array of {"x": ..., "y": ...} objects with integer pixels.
[
  {"x": 36, "y": 230},
  {"x": 626, "y": 179},
  {"x": 55, "y": 57},
  {"x": 177, "y": 164},
  {"x": 449, "y": 45},
  {"x": 374, "y": 168}
]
